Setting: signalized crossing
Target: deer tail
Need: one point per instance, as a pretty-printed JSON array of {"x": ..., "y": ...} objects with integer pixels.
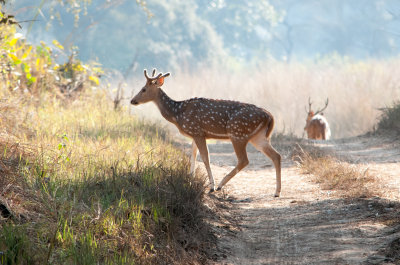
[{"x": 270, "y": 125}]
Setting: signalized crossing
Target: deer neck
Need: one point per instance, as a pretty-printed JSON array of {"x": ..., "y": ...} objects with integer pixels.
[{"x": 167, "y": 106}]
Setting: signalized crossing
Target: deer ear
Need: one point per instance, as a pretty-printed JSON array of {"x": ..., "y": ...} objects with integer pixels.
[{"x": 160, "y": 81}]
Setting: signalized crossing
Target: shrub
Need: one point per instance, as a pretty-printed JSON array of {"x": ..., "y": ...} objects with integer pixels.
[{"x": 390, "y": 118}]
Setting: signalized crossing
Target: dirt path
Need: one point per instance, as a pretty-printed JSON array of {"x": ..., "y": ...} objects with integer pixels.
[{"x": 306, "y": 225}]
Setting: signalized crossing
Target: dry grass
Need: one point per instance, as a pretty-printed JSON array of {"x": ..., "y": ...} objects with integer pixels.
[
  {"x": 355, "y": 90},
  {"x": 348, "y": 180},
  {"x": 18, "y": 197}
]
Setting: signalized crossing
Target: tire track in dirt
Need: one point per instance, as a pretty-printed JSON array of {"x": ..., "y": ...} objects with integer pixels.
[{"x": 306, "y": 225}]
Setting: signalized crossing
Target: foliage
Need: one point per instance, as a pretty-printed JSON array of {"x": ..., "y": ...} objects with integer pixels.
[
  {"x": 249, "y": 23},
  {"x": 164, "y": 34},
  {"x": 26, "y": 68},
  {"x": 14, "y": 240},
  {"x": 220, "y": 33},
  {"x": 390, "y": 118},
  {"x": 7, "y": 19}
]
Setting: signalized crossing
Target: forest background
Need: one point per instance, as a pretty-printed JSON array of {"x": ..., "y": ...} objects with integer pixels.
[{"x": 275, "y": 54}]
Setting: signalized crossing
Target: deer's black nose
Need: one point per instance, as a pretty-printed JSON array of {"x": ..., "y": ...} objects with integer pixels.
[{"x": 134, "y": 102}]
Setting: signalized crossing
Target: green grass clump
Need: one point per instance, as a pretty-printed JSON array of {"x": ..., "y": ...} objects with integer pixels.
[
  {"x": 390, "y": 118},
  {"x": 14, "y": 239}
]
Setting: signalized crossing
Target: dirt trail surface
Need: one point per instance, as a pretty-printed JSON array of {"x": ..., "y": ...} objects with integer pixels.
[{"x": 306, "y": 225}]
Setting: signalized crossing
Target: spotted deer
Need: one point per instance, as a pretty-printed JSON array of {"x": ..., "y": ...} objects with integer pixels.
[
  {"x": 202, "y": 119},
  {"x": 317, "y": 127}
]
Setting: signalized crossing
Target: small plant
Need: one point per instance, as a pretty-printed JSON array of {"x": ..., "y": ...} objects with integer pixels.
[
  {"x": 14, "y": 245},
  {"x": 84, "y": 250}
]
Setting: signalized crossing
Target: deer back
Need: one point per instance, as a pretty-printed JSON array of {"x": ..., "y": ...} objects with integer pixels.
[{"x": 221, "y": 119}]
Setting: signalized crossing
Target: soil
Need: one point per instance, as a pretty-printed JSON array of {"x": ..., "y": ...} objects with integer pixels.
[{"x": 306, "y": 224}]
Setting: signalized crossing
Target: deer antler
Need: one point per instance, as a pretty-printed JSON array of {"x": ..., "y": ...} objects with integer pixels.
[
  {"x": 309, "y": 105},
  {"x": 154, "y": 78},
  {"x": 151, "y": 78},
  {"x": 326, "y": 105}
]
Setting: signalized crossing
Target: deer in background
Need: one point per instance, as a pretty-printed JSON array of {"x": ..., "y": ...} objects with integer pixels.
[
  {"x": 317, "y": 127},
  {"x": 202, "y": 119}
]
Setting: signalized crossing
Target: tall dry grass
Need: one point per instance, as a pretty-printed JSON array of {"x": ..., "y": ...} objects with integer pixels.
[{"x": 355, "y": 90}]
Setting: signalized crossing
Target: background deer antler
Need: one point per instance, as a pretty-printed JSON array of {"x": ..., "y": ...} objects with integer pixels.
[
  {"x": 326, "y": 105},
  {"x": 309, "y": 105}
]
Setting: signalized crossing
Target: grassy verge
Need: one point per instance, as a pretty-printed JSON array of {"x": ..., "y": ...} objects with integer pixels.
[
  {"x": 80, "y": 182},
  {"x": 85, "y": 184}
]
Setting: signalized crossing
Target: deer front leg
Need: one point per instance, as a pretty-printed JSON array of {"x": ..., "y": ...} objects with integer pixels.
[
  {"x": 193, "y": 157},
  {"x": 203, "y": 150},
  {"x": 243, "y": 161}
]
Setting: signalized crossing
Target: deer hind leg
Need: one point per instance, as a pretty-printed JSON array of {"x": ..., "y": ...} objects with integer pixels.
[
  {"x": 201, "y": 144},
  {"x": 323, "y": 132},
  {"x": 263, "y": 144},
  {"x": 243, "y": 161},
  {"x": 193, "y": 157}
]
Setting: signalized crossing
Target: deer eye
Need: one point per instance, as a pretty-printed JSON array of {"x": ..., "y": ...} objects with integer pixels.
[{"x": 143, "y": 90}]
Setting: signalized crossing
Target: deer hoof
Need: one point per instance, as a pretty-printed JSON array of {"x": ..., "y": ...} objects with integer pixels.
[
  {"x": 219, "y": 188},
  {"x": 211, "y": 190},
  {"x": 276, "y": 195}
]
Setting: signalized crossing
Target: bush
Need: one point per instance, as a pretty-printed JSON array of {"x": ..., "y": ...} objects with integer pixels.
[
  {"x": 29, "y": 70},
  {"x": 390, "y": 118}
]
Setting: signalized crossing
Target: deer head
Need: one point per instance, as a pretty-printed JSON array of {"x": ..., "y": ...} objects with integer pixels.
[{"x": 150, "y": 90}]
